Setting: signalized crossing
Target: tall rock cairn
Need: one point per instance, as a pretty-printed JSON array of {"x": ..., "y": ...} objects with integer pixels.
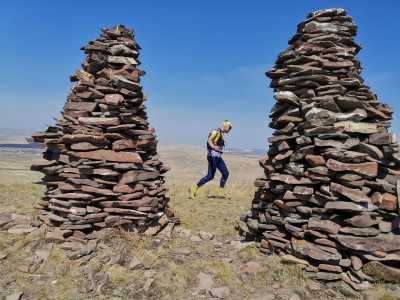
[
  {"x": 102, "y": 166},
  {"x": 331, "y": 190}
]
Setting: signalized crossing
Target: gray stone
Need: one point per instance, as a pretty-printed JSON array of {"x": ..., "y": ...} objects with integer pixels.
[
  {"x": 147, "y": 284},
  {"x": 385, "y": 227},
  {"x": 323, "y": 276},
  {"x": 206, "y": 235},
  {"x": 204, "y": 283},
  {"x": 167, "y": 231},
  {"x": 357, "y": 127},
  {"x": 222, "y": 292},
  {"x": 290, "y": 179},
  {"x": 81, "y": 106},
  {"x": 380, "y": 138},
  {"x": 371, "y": 231},
  {"x": 15, "y": 296},
  {"x": 123, "y": 50},
  {"x": 349, "y": 103},
  {"x": 313, "y": 26},
  {"x": 99, "y": 121},
  {"x": 382, "y": 242},
  {"x": 369, "y": 168},
  {"x": 323, "y": 225},
  {"x": 371, "y": 150},
  {"x": 362, "y": 221},
  {"x": 21, "y": 229},
  {"x": 133, "y": 263},
  {"x": 195, "y": 238},
  {"x": 351, "y": 207},
  {"x": 307, "y": 249},
  {"x": 240, "y": 245},
  {"x": 138, "y": 175},
  {"x": 287, "y": 97},
  {"x": 318, "y": 113},
  {"x": 294, "y": 297},
  {"x": 3, "y": 255},
  {"x": 121, "y": 60},
  {"x": 330, "y": 268},
  {"x": 381, "y": 271},
  {"x": 352, "y": 194},
  {"x": 303, "y": 190},
  {"x": 288, "y": 258},
  {"x": 356, "y": 262},
  {"x": 122, "y": 82},
  {"x": 347, "y": 156},
  {"x": 389, "y": 257}
]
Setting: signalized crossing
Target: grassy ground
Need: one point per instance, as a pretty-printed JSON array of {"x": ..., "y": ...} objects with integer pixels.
[
  {"x": 206, "y": 213},
  {"x": 171, "y": 267}
]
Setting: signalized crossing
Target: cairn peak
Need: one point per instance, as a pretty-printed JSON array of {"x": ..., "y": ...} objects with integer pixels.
[{"x": 327, "y": 12}]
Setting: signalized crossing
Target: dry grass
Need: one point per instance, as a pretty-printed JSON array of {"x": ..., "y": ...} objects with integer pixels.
[
  {"x": 59, "y": 278},
  {"x": 19, "y": 197},
  {"x": 210, "y": 214},
  {"x": 206, "y": 213},
  {"x": 15, "y": 168}
]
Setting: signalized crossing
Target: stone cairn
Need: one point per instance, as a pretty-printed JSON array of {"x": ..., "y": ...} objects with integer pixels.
[
  {"x": 102, "y": 167},
  {"x": 331, "y": 192}
]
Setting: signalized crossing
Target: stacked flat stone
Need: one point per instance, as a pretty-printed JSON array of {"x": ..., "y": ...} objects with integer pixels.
[
  {"x": 102, "y": 165},
  {"x": 331, "y": 190}
]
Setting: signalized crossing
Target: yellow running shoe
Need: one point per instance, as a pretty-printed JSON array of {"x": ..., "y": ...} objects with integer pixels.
[
  {"x": 193, "y": 191},
  {"x": 222, "y": 194}
]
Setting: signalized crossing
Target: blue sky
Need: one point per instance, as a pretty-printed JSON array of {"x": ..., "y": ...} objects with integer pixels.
[{"x": 205, "y": 60}]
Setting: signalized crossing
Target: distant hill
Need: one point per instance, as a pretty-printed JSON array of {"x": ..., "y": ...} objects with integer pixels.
[
  {"x": 15, "y": 132},
  {"x": 10, "y": 141},
  {"x": 246, "y": 152}
]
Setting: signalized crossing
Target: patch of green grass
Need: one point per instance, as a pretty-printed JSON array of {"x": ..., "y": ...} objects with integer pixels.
[
  {"x": 284, "y": 273},
  {"x": 118, "y": 274},
  {"x": 174, "y": 279},
  {"x": 214, "y": 215},
  {"x": 19, "y": 197},
  {"x": 250, "y": 253},
  {"x": 225, "y": 274}
]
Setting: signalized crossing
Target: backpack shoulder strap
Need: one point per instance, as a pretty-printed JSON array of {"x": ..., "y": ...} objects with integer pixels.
[{"x": 215, "y": 135}]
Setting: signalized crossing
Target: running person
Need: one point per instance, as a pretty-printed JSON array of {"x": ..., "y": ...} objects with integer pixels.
[{"x": 215, "y": 146}]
